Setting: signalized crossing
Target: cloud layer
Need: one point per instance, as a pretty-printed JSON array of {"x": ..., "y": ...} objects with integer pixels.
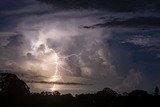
[
  {"x": 40, "y": 43},
  {"x": 109, "y": 5}
]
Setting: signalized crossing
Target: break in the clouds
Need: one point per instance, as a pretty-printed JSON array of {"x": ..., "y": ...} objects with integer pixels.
[{"x": 47, "y": 41}]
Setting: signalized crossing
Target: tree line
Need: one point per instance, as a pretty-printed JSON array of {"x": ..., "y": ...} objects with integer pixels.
[{"x": 15, "y": 93}]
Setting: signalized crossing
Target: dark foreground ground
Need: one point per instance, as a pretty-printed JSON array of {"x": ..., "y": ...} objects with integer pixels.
[{"x": 15, "y": 93}]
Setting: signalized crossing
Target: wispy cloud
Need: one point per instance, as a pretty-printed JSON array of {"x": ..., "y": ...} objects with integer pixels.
[
  {"x": 138, "y": 22},
  {"x": 59, "y": 83}
]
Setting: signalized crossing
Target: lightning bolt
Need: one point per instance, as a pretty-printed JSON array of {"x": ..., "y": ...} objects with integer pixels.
[
  {"x": 55, "y": 60},
  {"x": 59, "y": 66}
]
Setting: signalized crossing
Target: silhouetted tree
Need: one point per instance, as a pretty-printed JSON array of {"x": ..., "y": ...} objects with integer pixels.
[
  {"x": 108, "y": 92},
  {"x": 125, "y": 94},
  {"x": 55, "y": 93},
  {"x": 138, "y": 93},
  {"x": 156, "y": 91},
  {"x": 10, "y": 84}
]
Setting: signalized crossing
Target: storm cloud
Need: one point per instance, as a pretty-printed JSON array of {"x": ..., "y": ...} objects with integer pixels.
[
  {"x": 138, "y": 22},
  {"x": 49, "y": 42},
  {"x": 109, "y": 5}
]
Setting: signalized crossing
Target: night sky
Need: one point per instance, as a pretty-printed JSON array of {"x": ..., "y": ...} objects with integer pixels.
[{"x": 85, "y": 44}]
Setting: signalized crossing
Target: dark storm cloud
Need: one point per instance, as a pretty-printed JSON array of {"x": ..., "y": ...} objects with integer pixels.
[
  {"x": 13, "y": 11},
  {"x": 138, "y": 22},
  {"x": 15, "y": 7},
  {"x": 109, "y": 5},
  {"x": 11, "y": 5}
]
